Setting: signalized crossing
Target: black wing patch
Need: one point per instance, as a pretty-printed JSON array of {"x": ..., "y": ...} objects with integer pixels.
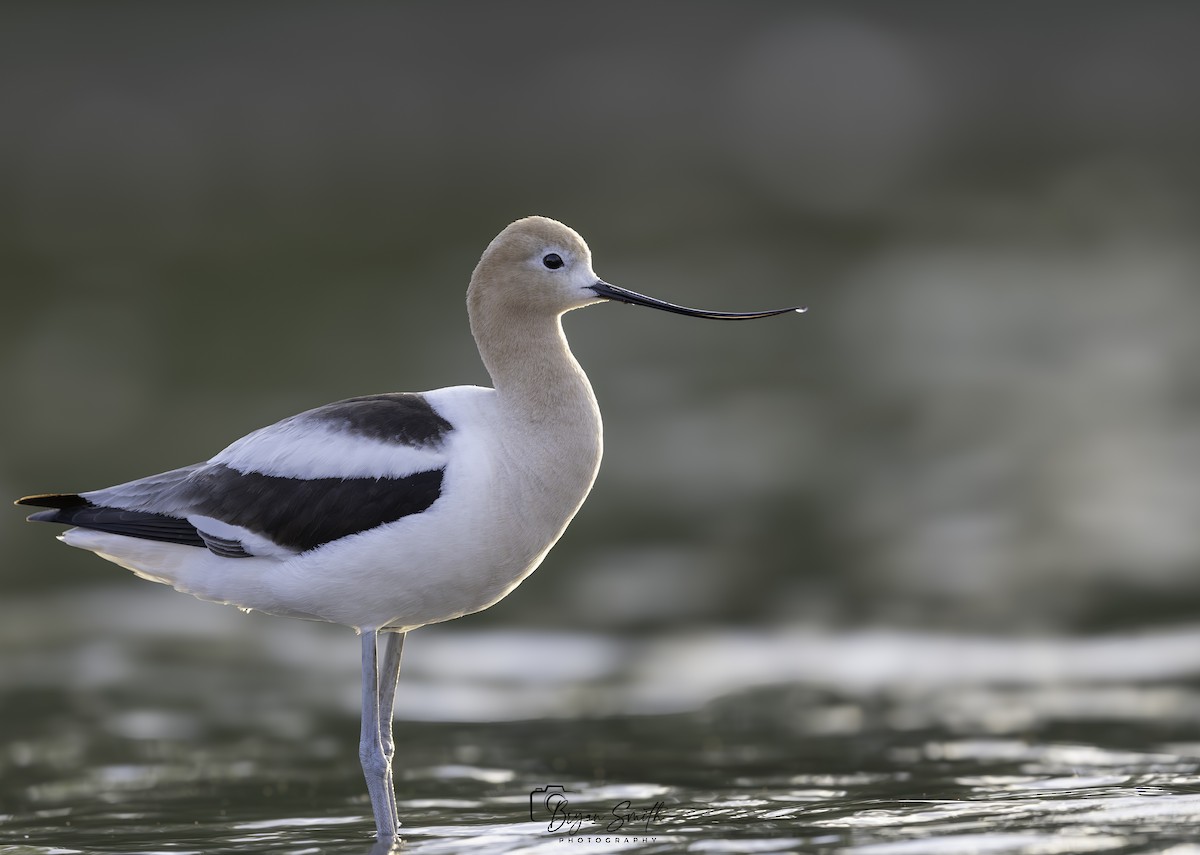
[
  {"x": 304, "y": 513},
  {"x": 295, "y": 513},
  {"x": 401, "y": 418}
]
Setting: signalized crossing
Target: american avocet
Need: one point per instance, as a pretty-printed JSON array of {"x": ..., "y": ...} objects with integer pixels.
[{"x": 392, "y": 511}]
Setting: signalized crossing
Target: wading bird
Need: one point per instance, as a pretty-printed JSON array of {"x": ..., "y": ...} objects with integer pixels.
[{"x": 389, "y": 512}]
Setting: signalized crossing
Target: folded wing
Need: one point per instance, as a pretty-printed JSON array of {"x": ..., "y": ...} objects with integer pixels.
[{"x": 303, "y": 482}]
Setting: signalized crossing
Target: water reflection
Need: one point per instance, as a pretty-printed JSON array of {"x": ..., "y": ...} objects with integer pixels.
[{"x": 235, "y": 735}]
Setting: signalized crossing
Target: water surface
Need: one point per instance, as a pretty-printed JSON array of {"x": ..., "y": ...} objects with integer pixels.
[{"x": 197, "y": 729}]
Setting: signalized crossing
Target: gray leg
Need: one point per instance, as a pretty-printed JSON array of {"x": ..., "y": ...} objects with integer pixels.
[
  {"x": 376, "y": 763},
  {"x": 389, "y": 674}
]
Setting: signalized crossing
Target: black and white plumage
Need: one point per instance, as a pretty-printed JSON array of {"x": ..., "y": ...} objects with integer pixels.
[
  {"x": 267, "y": 523},
  {"x": 259, "y": 498},
  {"x": 389, "y": 512}
]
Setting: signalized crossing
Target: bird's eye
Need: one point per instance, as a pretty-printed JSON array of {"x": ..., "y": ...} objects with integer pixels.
[{"x": 553, "y": 260}]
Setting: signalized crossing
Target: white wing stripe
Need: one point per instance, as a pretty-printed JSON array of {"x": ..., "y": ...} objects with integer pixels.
[{"x": 296, "y": 450}]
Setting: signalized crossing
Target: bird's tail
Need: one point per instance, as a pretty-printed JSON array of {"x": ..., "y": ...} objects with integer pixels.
[{"x": 73, "y": 509}]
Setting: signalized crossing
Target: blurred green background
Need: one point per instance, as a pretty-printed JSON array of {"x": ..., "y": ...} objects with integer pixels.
[{"x": 215, "y": 215}]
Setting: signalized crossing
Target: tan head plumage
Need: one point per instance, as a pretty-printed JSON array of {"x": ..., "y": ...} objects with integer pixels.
[{"x": 536, "y": 265}]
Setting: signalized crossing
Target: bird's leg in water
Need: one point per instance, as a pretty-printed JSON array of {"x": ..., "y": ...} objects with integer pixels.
[
  {"x": 376, "y": 762},
  {"x": 389, "y": 674}
]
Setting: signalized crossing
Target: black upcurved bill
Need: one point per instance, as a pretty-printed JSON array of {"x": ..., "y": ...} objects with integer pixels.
[{"x": 612, "y": 292}]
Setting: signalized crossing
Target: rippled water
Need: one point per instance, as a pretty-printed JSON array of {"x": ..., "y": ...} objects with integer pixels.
[{"x": 155, "y": 724}]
